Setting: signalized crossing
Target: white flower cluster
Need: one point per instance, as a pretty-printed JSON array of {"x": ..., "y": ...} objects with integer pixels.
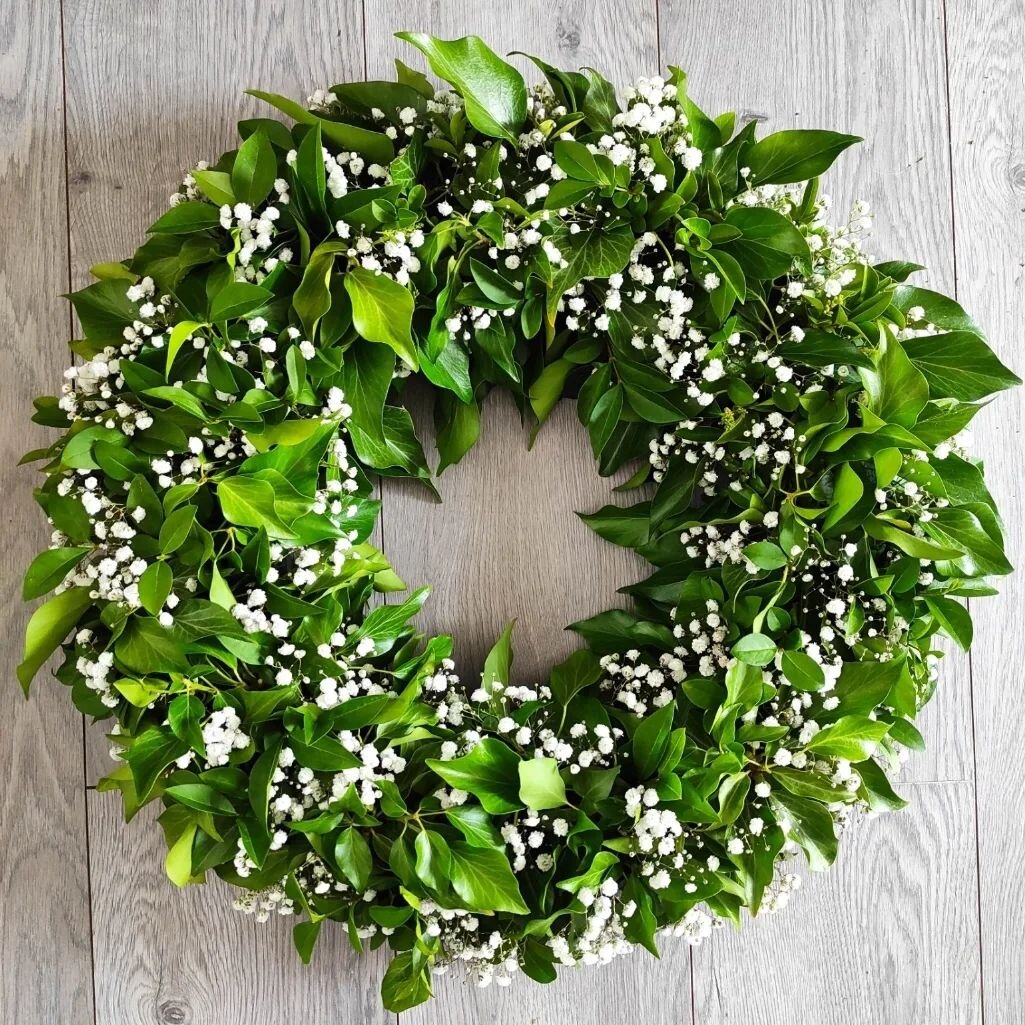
[
  {"x": 376, "y": 763},
  {"x": 533, "y": 838},
  {"x": 256, "y": 231},
  {"x": 599, "y": 934}
]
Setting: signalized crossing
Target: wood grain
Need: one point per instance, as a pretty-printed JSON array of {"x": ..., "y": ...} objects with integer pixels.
[
  {"x": 987, "y": 107},
  {"x": 44, "y": 887},
  {"x": 874, "y": 69},
  {"x": 185, "y": 957},
  {"x": 889, "y": 934}
]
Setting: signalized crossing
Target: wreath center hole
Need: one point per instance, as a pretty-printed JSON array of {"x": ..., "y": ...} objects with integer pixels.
[{"x": 505, "y": 541}]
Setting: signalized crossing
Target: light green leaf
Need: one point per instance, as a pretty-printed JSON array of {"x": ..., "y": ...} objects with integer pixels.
[
  {"x": 382, "y": 311},
  {"x": 493, "y": 91},
  {"x": 484, "y": 880},
  {"x": 541, "y": 786},
  {"x": 48, "y": 627}
]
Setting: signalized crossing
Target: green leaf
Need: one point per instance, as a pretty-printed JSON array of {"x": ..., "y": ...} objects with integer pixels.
[
  {"x": 959, "y": 365},
  {"x": 795, "y": 155},
  {"x": 312, "y": 299},
  {"x": 809, "y": 825},
  {"x": 239, "y": 299},
  {"x": 579, "y": 671},
  {"x": 304, "y": 937},
  {"x": 755, "y": 649},
  {"x": 953, "y": 619},
  {"x": 650, "y": 740},
  {"x": 201, "y": 797},
  {"x": 494, "y": 94},
  {"x": 476, "y": 826},
  {"x": 149, "y": 754},
  {"x": 216, "y": 186},
  {"x": 249, "y": 502},
  {"x": 962, "y": 526},
  {"x": 897, "y": 391},
  {"x": 802, "y": 671},
  {"x": 627, "y": 526},
  {"x": 766, "y": 555},
  {"x": 541, "y": 786},
  {"x": 382, "y": 311},
  {"x": 910, "y": 544},
  {"x": 352, "y": 852},
  {"x": 484, "y": 880},
  {"x": 854, "y": 737},
  {"x": 375, "y": 146},
  {"x": 847, "y": 492},
  {"x": 407, "y": 982},
  {"x": 820, "y": 349},
  {"x": 769, "y": 242},
  {"x": 146, "y": 648},
  {"x": 732, "y": 795},
  {"x": 48, "y": 627},
  {"x": 498, "y": 664},
  {"x": 175, "y": 529},
  {"x": 254, "y": 170},
  {"x": 178, "y": 863},
  {"x": 490, "y": 772},
  {"x": 593, "y": 876},
  {"x": 433, "y": 860},
  {"x": 155, "y": 585},
  {"x": 186, "y": 218},
  {"x": 49, "y": 568},
  {"x": 810, "y": 784}
]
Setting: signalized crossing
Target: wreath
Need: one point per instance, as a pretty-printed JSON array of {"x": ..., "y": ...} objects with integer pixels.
[{"x": 791, "y": 408}]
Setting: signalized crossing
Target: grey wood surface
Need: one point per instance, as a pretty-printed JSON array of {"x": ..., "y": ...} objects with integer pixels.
[
  {"x": 920, "y": 922},
  {"x": 987, "y": 115},
  {"x": 45, "y": 964}
]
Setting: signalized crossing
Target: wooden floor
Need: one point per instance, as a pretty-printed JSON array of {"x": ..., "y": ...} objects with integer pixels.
[{"x": 103, "y": 103}]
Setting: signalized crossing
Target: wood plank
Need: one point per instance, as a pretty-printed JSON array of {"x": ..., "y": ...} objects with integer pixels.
[
  {"x": 44, "y": 915},
  {"x": 874, "y": 69},
  {"x": 153, "y": 88},
  {"x": 987, "y": 100},
  {"x": 170, "y": 957},
  {"x": 890, "y": 934}
]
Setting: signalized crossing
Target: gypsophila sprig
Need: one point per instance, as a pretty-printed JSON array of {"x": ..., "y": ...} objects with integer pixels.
[{"x": 794, "y": 411}]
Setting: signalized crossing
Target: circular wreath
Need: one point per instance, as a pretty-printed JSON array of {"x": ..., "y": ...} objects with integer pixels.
[{"x": 809, "y": 517}]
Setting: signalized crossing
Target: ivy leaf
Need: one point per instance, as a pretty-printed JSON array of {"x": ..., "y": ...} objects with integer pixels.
[
  {"x": 476, "y": 826},
  {"x": 49, "y": 568},
  {"x": 484, "y": 880},
  {"x": 149, "y": 754},
  {"x": 254, "y": 170},
  {"x": 239, "y": 299},
  {"x": 959, "y": 365},
  {"x": 897, "y": 391},
  {"x": 755, "y": 649},
  {"x": 769, "y": 242},
  {"x": 407, "y": 982},
  {"x": 185, "y": 219},
  {"x": 490, "y": 772},
  {"x": 541, "y": 786},
  {"x": 802, "y": 671},
  {"x": 809, "y": 825},
  {"x": 382, "y": 311},
  {"x": 354, "y": 858},
  {"x": 249, "y": 502},
  {"x": 579, "y": 671},
  {"x": 795, "y": 155},
  {"x": 953, "y": 619},
  {"x": 854, "y": 737},
  {"x": 650, "y": 740},
  {"x": 493, "y": 92},
  {"x": 48, "y": 627}
]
